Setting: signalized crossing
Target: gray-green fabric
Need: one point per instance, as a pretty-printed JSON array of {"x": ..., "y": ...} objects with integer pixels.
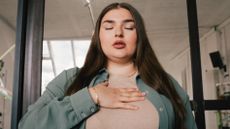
[{"x": 53, "y": 110}]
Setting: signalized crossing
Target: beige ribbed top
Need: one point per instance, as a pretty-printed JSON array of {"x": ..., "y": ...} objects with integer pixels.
[{"x": 146, "y": 117}]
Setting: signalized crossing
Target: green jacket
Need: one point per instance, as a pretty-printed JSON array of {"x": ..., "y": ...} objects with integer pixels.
[{"x": 53, "y": 110}]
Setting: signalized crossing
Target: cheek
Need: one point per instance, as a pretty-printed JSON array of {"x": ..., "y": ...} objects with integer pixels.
[
  {"x": 133, "y": 41},
  {"x": 104, "y": 39},
  {"x": 133, "y": 47},
  {"x": 131, "y": 36}
]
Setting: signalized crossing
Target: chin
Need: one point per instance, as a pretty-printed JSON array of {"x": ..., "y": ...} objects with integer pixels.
[{"x": 120, "y": 55}]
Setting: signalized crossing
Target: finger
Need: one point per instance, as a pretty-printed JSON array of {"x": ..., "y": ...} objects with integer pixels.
[
  {"x": 130, "y": 99},
  {"x": 128, "y": 89},
  {"x": 127, "y": 106},
  {"x": 133, "y": 94}
]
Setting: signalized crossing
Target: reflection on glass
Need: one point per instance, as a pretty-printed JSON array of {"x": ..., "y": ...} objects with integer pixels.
[
  {"x": 214, "y": 27},
  {"x": 225, "y": 119},
  {"x": 168, "y": 33},
  {"x": 8, "y": 12},
  {"x": 81, "y": 47},
  {"x": 59, "y": 55},
  {"x": 217, "y": 119},
  {"x": 47, "y": 73},
  {"x": 62, "y": 55},
  {"x": 45, "y": 51}
]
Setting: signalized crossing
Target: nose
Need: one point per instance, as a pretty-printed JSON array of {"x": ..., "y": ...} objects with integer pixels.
[{"x": 118, "y": 32}]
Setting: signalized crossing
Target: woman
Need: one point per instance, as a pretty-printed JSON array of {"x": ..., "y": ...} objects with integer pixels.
[{"x": 121, "y": 85}]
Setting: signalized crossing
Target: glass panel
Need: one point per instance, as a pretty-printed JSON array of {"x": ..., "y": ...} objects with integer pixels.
[
  {"x": 68, "y": 26},
  {"x": 45, "y": 52},
  {"x": 167, "y": 29},
  {"x": 62, "y": 55},
  {"x": 217, "y": 119},
  {"x": 214, "y": 27},
  {"x": 81, "y": 47},
  {"x": 47, "y": 73},
  {"x": 8, "y": 12},
  {"x": 54, "y": 61},
  {"x": 166, "y": 24}
]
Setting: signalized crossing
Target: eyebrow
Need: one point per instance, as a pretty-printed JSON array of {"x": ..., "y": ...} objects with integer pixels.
[{"x": 112, "y": 21}]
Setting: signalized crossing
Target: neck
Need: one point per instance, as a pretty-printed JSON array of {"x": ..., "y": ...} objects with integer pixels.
[{"x": 121, "y": 69}]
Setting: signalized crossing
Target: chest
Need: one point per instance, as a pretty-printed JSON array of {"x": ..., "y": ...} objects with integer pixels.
[
  {"x": 146, "y": 117},
  {"x": 162, "y": 104}
]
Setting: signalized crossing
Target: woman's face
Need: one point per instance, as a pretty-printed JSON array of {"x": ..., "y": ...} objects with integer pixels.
[{"x": 118, "y": 35}]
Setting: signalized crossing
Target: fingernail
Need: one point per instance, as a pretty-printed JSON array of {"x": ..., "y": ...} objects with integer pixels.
[{"x": 143, "y": 93}]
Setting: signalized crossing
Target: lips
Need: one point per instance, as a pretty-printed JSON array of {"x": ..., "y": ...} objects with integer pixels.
[{"x": 119, "y": 45}]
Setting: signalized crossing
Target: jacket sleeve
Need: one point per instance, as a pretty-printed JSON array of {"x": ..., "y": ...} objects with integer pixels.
[
  {"x": 189, "y": 122},
  {"x": 53, "y": 110}
]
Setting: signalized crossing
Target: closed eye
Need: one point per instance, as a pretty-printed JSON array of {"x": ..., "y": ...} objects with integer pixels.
[
  {"x": 108, "y": 28},
  {"x": 129, "y": 28}
]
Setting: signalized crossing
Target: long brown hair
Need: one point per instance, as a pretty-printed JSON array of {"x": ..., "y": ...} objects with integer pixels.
[{"x": 149, "y": 68}]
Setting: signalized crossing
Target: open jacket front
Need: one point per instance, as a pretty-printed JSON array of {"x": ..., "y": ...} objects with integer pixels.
[{"x": 54, "y": 110}]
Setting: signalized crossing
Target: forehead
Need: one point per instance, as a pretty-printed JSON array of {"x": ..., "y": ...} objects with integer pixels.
[{"x": 117, "y": 14}]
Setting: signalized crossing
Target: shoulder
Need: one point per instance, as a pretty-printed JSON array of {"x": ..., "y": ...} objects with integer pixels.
[
  {"x": 63, "y": 80},
  {"x": 70, "y": 75},
  {"x": 72, "y": 72},
  {"x": 66, "y": 75}
]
